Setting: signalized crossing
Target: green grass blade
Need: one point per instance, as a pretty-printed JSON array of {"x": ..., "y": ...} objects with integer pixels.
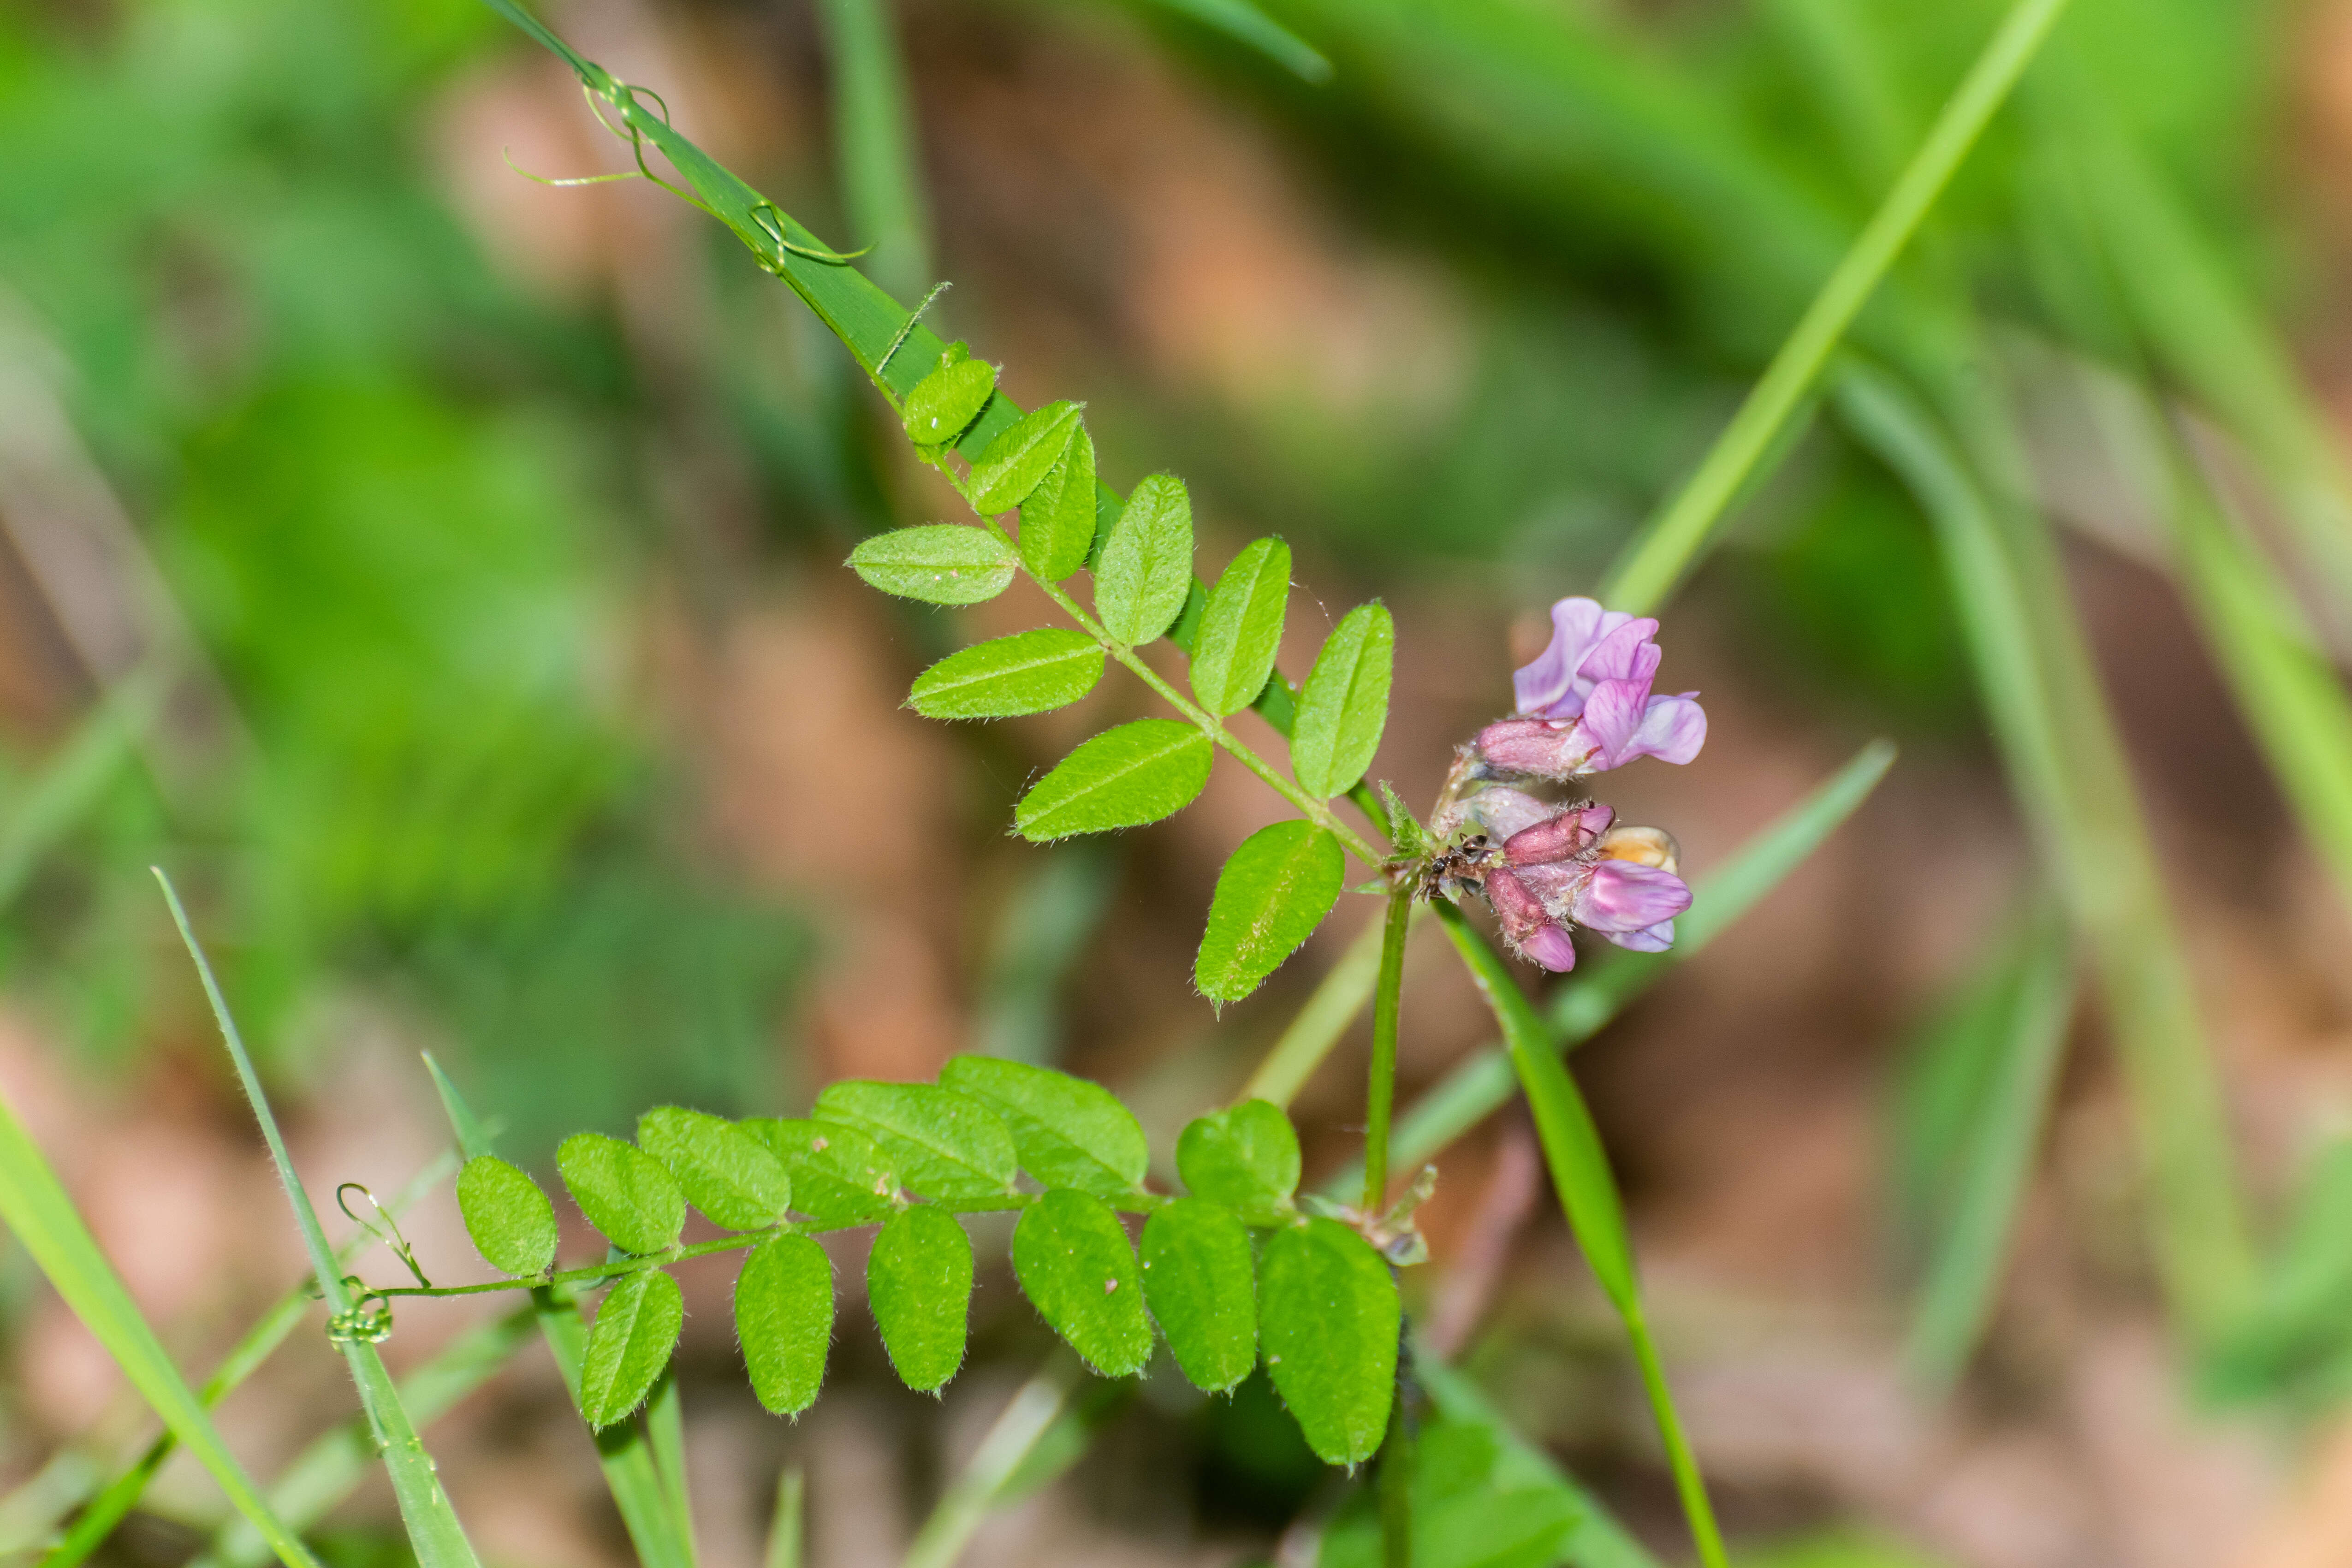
[
  {"x": 1484, "y": 1081},
  {"x": 1330, "y": 1009},
  {"x": 631, "y": 1474},
  {"x": 71, "y": 782},
  {"x": 1045, "y": 927},
  {"x": 1245, "y": 24},
  {"x": 666, "y": 1434},
  {"x": 788, "y": 1531},
  {"x": 1587, "y": 1190},
  {"x": 2067, "y": 767},
  {"x": 2020, "y": 1043},
  {"x": 433, "y": 1533},
  {"x": 333, "y": 1467},
  {"x": 875, "y": 141},
  {"x": 1656, "y": 558},
  {"x": 118, "y": 1497},
  {"x": 1035, "y": 1410},
  {"x": 35, "y": 1206}
]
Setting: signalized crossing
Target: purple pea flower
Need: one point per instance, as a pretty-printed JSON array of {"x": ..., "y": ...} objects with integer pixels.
[
  {"x": 1585, "y": 704},
  {"x": 1568, "y": 868}
]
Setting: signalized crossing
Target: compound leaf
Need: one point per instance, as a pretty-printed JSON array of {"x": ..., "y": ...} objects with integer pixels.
[
  {"x": 1028, "y": 672},
  {"x": 946, "y": 402},
  {"x": 510, "y": 1220},
  {"x": 1345, "y": 703},
  {"x": 1200, "y": 1281},
  {"x": 1057, "y": 521},
  {"x": 1245, "y": 1157},
  {"x": 726, "y": 1173},
  {"x": 783, "y": 1316},
  {"x": 947, "y": 1147},
  {"x": 1328, "y": 1316},
  {"x": 626, "y": 1193},
  {"x": 1068, "y": 1132},
  {"x": 839, "y": 1175},
  {"x": 1241, "y": 628},
  {"x": 1146, "y": 569},
  {"x": 918, "y": 1282},
  {"x": 1273, "y": 891},
  {"x": 937, "y": 563},
  {"x": 1125, "y": 777},
  {"x": 1073, "y": 1259},
  {"x": 1016, "y": 462},
  {"x": 635, "y": 1330}
]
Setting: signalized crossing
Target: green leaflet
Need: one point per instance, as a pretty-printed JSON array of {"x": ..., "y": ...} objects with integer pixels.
[
  {"x": 1200, "y": 1281},
  {"x": 1067, "y": 1131},
  {"x": 1571, "y": 1144},
  {"x": 1245, "y": 1157},
  {"x": 1275, "y": 890},
  {"x": 1328, "y": 1318},
  {"x": 510, "y": 1220},
  {"x": 839, "y": 1175},
  {"x": 1146, "y": 569},
  {"x": 1125, "y": 777},
  {"x": 1074, "y": 1262},
  {"x": 937, "y": 563},
  {"x": 1028, "y": 672},
  {"x": 947, "y": 1147},
  {"x": 625, "y": 1192},
  {"x": 1345, "y": 703},
  {"x": 726, "y": 1173},
  {"x": 1057, "y": 521},
  {"x": 1241, "y": 628},
  {"x": 1016, "y": 462},
  {"x": 949, "y": 399},
  {"x": 784, "y": 1318},
  {"x": 918, "y": 1282},
  {"x": 635, "y": 1330}
]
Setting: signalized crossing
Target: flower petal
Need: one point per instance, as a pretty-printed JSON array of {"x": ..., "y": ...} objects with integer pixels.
[
  {"x": 1612, "y": 715},
  {"x": 1551, "y": 948},
  {"x": 1624, "y": 652},
  {"x": 1622, "y": 897},
  {"x": 1575, "y": 626},
  {"x": 1649, "y": 939}
]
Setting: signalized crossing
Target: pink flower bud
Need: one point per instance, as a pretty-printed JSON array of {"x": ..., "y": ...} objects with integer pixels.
[{"x": 1561, "y": 838}]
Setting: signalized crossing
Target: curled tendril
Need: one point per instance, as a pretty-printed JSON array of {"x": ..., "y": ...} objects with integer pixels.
[
  {"x": 771, "y": 221},
  {"x": 908, "y": 330},
  {"x": 571, "y": 180},
  {"x": 369, "y": 1320},
  {"x": 383, "y": 1227}
]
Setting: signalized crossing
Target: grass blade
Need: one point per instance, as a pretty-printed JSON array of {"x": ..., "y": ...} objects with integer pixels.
[
  {"x": 35, "y": 1206},
  {"x": 1333, "y": 1006},
  {"x": 74, "y": 778},
  {"x": 433, "y": 1533},
  {"x": 630, "y": 1471},
  {"x": 107, "y": 1508},
  {"x": 2068, "y": 768},
  {"x": 788, "y": 1531},
  {"x": 1245, "y": 24},
  {"x": 665, "y": 1433},
  {"x": 2011, "y": 1041},
  {"x": 1035, "y": 1410},
  {"x": 1587, "y": 1190},
  {"x": 875, "y": 140},
  {"x": 1656, "y": 559},
  {"x": 333, "y": 1467},
  {"x": 1484, "y": 1081}
]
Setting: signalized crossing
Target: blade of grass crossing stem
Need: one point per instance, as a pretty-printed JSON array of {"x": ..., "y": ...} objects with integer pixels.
[
  {"x": 1245, "y": 24},
  {"x": 665, "y": 1420},
  {"x": 2067, "y": 766},
  {"x": 1995, "y": 1157},
  {"x": 1588, "y": 1195},
  {"x": 36, "y": 1207},
  {"x": 333, "y": 1467},
  {"x": 631, "y": 1474},
  {"x": 788, "y": 1531},
  {"x": 118, "y": 1498},
  {"x": 1578, "y": 1009},
  {"x": 876, "y": 142},
  {"x": 433, "y": 1533},
  {"x": 1338, "y": 997},
  {"x": 1657, "y": 557},
  {"x": 1035, "y": 1406}
]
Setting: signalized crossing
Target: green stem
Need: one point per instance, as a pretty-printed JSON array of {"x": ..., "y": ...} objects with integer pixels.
[
  {"x": 1396, "y": 1484},
  {"x": 1656, "y": 558},
  {"x": 1688, "y": 1483},
  {"x": 1380, "y": 1094}
]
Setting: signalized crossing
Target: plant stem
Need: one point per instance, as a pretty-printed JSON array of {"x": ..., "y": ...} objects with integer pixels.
[
  {"x": 1379, "y": 1093},
  {"x": 1658, "y": 556},
  {"x": 1688, "y": 1483}
]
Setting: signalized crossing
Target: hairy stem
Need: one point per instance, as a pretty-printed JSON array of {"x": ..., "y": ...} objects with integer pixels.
[{"x": 1380, "y": 1094}]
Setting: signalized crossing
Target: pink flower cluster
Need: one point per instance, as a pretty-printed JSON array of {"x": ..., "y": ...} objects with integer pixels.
[{"x": 1584, "y": 706}]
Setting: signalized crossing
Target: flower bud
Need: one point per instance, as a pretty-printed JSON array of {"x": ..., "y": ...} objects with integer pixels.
[
  {"x": 1559, "y": 838},
  {"x": 1535, "y": 748},
  {"x": 1528, "y": 926}
]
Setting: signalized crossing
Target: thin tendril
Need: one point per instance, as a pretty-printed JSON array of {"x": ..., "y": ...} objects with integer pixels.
[
  {"x": 572, "y": 180},
  {"x": 762, "y": 214},
  {"x": 908, "y": 330}
]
